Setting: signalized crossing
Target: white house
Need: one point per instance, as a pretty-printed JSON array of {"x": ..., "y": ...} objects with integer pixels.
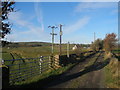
[{"x": 76, "y": 47}]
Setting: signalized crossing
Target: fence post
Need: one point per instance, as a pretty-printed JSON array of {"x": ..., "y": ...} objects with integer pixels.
[
  {"x": 68, "y": 47},
  {"x": 49, "y": 62},
  {"x": 19, "y": 68},
  {"x": 40, "y": 63},
  {"x": 57, "y": 61},
  {"x": 5, "y": 77}
]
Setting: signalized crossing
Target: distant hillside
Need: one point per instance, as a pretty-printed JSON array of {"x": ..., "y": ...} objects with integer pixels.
[
  {"x": 28, "y": 44},
  {"x": 36, "y": 44}
]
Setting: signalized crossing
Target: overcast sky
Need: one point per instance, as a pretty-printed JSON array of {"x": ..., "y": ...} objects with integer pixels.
[{"x": 80, "y": 20}]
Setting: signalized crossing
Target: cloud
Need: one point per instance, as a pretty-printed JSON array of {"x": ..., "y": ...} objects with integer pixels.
[
  {"x": 39, "y": 14},
  {"x": 18, "y": 19},
  {"x": 74, "y": 28},
  {"x": 88, "y": 6},
  {"x": 29, "y": 30},
  {"x": 77, "y": 25}
]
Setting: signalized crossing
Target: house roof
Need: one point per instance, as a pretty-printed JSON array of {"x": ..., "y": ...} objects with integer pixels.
[{"x": 78, "y": 46}]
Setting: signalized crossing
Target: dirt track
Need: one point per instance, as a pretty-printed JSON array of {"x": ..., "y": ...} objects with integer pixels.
[{"x": 81, "y": 76}]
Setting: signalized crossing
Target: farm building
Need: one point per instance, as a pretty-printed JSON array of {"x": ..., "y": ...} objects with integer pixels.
[{"x": 77, "y": 46}]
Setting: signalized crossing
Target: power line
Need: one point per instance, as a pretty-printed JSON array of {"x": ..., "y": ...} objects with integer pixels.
[
  {"x": 61, "y": 38},
  {"x": 53, "y": 34}
]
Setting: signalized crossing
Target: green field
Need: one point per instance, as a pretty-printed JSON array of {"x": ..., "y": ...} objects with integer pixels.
[{"x": 29, "y": 50}]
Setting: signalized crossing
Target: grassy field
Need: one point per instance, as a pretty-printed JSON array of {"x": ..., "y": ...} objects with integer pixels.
[
  {"x": 33, "y": 52},
  {"x": 26, "y": 52}
]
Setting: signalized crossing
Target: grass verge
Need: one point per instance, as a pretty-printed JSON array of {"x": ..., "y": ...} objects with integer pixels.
[
  {"x": 112, "y": 78},
  {"x": 92, "y": 60}
]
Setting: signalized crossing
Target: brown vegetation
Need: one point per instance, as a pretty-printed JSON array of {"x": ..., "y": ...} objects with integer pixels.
[{"x": 110, "y": 42}]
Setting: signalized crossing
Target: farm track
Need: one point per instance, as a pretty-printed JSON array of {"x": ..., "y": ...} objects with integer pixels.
[
  {"x": 81, "y": 76},
  {"x": 95, "y": 78}
]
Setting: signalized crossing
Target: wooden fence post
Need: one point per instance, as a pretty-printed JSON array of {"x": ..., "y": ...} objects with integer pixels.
[
  {"x": 68, "y": 47},
  {"x": 5, "y": 77},
  {"x": 40, "y": 63},
  {"x": 56, "y": 61},
  {"x": 49, "y": 62}
]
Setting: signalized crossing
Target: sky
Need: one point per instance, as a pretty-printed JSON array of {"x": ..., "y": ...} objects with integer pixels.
[{"x": 79, "y": 19}]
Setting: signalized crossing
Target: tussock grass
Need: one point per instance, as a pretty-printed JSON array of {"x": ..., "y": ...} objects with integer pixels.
[{"x": 112, "y": 78}]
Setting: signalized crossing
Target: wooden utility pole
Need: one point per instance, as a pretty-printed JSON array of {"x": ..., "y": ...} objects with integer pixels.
[
  {"x": 68, "y": 47},
  {"x": 94, "y": 37},
  {"x": 53, "y": 34},
  {"x": 61, "y": 39}
]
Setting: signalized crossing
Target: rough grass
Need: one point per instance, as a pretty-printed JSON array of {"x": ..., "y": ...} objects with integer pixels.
[
  {"x": 112, "y": 78},
  {"x": 92, "y": 60}
]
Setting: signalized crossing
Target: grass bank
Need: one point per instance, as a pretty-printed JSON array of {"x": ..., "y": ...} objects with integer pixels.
[{"x": 111, "y": 71}]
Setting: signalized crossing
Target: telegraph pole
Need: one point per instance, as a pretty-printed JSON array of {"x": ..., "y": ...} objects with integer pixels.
[
  {"x": 53, "y": 34},
  {"x": 60, "y": 39},
  {"x": 94, "y": 36},
  {"x": 68, "y": 47}
]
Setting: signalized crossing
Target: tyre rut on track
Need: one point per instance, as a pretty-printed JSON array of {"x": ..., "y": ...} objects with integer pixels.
[{"x": 93, "y": 75}]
